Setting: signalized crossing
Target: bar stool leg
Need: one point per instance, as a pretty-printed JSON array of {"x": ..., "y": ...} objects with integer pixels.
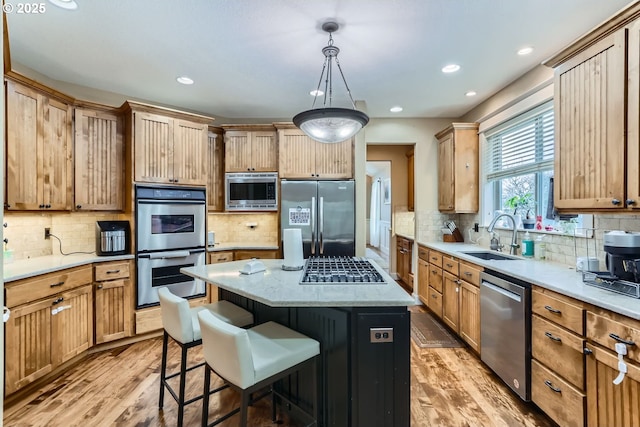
[
  {"x": 163, "y": 368},
  {"x": 183, "y": 376},
  {"x": 205, "y": 398},
  {"x": 244, "y": 408},
  {"x": 273, "y": 405}
]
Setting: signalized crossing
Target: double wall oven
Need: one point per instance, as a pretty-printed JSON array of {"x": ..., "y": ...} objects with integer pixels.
[{"x": 170, "y": 234}]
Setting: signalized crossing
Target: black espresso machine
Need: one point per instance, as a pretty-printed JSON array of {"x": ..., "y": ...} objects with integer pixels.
[{"x": 623, "y": 254}]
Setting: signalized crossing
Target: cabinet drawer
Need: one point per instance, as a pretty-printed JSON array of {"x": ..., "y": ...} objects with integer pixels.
[
  {"x": 603, "y": 328},
  {"x": 435, "y": 258},
  {"x": 216, "y": 257},
  {"x": 450, "y": 265},
  {"x": 435, "y": 278},
  {"x": 423, "y": 253},
  {"x": 560, "y": 311},
  {"x": 260, "y": 254},
  {"x": 559, "y": 350},
  {"x": 111, "y": 270},
  {"x": 435, "y": 301},
  {"x": 557, "y": 398},
  {"x": 46, "y": 285},
  {"x": 470, "y": 273}
]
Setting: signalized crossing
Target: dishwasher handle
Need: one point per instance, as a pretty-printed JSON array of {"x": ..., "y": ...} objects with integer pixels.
[{"x": 507, "y": 293}]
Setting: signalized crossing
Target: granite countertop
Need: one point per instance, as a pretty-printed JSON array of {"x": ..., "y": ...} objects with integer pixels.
[
  {"x": 406, "y": 236},
  {"x": 25, "y": 268},
  {"x": 557, "y": 277},
  {"x": 230, "y": 246},
  {"x": 278, "y": 288}
]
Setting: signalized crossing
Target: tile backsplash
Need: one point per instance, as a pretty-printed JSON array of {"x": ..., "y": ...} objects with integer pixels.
[{"x": 236, "y": 227}]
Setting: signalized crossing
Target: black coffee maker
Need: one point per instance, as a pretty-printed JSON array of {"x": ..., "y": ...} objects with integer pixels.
[{"x": 623, "y": 254}]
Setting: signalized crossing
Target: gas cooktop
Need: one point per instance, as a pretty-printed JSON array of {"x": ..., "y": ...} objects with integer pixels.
[{"x": 340, "y": 270}]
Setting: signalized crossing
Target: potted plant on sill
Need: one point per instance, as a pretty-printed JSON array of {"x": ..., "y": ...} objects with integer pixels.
[{"x": 523, "y": 203}]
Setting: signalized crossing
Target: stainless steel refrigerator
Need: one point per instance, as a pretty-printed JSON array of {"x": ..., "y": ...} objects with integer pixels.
[{"x": 324, "y": 211}]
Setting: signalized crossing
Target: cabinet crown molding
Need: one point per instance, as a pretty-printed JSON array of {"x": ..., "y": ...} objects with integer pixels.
[
  {"x": 457, "y": 126},
  {"x": 132, "y": 106}
]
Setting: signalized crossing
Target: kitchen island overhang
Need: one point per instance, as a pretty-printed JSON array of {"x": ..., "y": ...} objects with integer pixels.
[{"x": 362, "y": 380}]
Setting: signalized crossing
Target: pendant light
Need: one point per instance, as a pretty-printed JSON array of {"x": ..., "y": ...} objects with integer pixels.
[{"x": 330, "y": 124}]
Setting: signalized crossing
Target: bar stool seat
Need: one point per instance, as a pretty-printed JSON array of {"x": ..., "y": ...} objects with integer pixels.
[
  {"x": 250, "y": 359},
  {"x": 180, "y": 322}
]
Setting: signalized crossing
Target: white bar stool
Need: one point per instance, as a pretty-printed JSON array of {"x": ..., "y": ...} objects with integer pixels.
[
  {"x": 181, "y": 324},
  {"x": 251, "y": 359}
]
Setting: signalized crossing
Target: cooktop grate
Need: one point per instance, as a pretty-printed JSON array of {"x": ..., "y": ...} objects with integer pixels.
[{"x": 337, "y": 270}]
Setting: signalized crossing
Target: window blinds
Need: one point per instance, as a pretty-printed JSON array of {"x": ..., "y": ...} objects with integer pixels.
[{"x": 521, "y": 145}]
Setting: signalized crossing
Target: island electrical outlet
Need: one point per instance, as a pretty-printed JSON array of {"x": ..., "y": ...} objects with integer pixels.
[
  {"x": 47, "y": 232},
  {"x": 381, "y": 335}
]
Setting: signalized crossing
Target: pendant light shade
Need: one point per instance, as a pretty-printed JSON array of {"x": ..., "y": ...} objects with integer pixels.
[{"x": 330, "y": 124}]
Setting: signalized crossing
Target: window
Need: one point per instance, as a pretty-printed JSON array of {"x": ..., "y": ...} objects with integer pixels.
[{"x": 518, "y": 169}]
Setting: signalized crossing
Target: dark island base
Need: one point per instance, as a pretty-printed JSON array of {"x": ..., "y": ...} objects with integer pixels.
[{"x": 360, "y": 383}]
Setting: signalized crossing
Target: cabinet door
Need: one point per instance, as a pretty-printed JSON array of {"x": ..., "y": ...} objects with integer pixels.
[
  {"x": 114, "y": 310},
  {"x": 264, "y": 152},
  {"x": 590, "y": 127},
  {"x": 215, "y": 177},
  {"x": 237, "y": 151},
  {"x": 410, "y": 180},
  {"x": 406, "y": 264},
  {"x": 153, "y": 136},
  {"x": 297, "y": 157},
  {"x": 633, "y": 122},
  {"x": 28, "y": 354},
  {"x": 334, "y": 161},
  {"x": 99, "y": 161},
  {"x": 57, "y": 158},
  {"x": 609, "y": 404},
  {"x": 400, "y": 265},
  {"x": 450, "y": 301},
  {"x": 423, "y": 281},
  {"x": 72, "y": 323},
  {"x": 189, "y": 153},
  {"x": 470, "y": 315},
  {"x": 446, "y": 194}
]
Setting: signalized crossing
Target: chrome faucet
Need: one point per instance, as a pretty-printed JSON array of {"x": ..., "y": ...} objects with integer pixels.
[{"x": 514, "y": 245}]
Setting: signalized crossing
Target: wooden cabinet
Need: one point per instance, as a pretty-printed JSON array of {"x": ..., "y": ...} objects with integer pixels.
[
  {"x": 219, "y": 256},
  {"x": 410, "y": 181},
  {"x": 113, "y": 300},
  {"x": 51, "y": 322},
  {"x": 436, "y": 280},
  {"x": 423, "y": 274},
  {"x": 458, "y": 178},
  {"x": 404, "y": 253},
  {"x": 38, "y": 150},
  {"x": 304, "y": 158},
  {"x": 255, "y": 253},
  {"x": 99, "y": 160},
  {"x": 451, "y": 301},
  {"x": 215, "y": 168},
  {"x": 469, "y": 305},
  {"x": 596, "y": 83},
  {"x": 557, "y": 343},
  {"x": 250, "y": 148},
  {"x": 167, "y": 146}
]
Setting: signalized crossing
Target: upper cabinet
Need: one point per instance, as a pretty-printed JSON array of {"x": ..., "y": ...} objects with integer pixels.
[
  {"x": 168, "y": 146},
  {"x": 458, "y": 168},
  {"x": 304, "y": 158},
  {"x": 39, "y": 151},
  {"x": 99, "y": 160},
  {"x": 215, "y": 167},
  {"x": 597, "y": 155},
  {"x": 250, "y": 148}
]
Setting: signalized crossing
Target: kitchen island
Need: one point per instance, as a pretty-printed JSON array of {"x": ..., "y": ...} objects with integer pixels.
[{"x": 362, "y": 380}]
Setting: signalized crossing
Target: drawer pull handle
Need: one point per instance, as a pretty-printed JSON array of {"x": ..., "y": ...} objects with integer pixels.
[
  {"x": 434, "y": 271},
  {"x": 53, "y": 285},
  {"x": 552, "y": 337},
  {"x": 99, "y": 286},
  {"x": 550, "y": 385},
  {"x": 113, "y": 271},
  {"x": 449, "y": 265},
  {"x": 617, "y": 338},
  {"x": 553, "y": 310},
  {"x": 434, "y": 258},
  {"x": 57, "y": 301},
  {"x": 467, "y": 273}
]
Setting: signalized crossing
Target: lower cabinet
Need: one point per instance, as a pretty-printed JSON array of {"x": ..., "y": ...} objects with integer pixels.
[
  {"x": 470, "y": 315},
  {"x": 113, "y": 301},
  {"x": 451, "y": 301},
  {"x": 560, "y": 400},
  {"x": 255, "y": 253}
]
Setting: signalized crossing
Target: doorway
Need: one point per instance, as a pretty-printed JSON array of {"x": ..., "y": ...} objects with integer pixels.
[{"x": 379, "y": 211}]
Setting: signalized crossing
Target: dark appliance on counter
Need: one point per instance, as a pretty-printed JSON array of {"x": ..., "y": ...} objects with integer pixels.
[
  {"x": 621, "y": 246},
  {"x": 340, "y": 270},
  {"x": 170, "y": 234},
  {"x": 325, "y": 213},
  {"x": 113, "y": 238}
]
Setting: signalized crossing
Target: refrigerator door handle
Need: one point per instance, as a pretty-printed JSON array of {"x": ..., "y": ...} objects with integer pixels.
[
  {"x": 313, "y": 226},
  {"x": 321, "y": 224}
]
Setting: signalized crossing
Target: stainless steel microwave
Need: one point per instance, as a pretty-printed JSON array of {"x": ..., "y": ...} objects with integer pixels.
[{"x": 254, "y": 191}]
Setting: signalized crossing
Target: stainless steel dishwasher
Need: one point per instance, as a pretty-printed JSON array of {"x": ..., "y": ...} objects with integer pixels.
[{"x": 505, "y": 330}]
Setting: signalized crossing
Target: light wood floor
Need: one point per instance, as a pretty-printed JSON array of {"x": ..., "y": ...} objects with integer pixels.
[{"x": 449, "y": 387}]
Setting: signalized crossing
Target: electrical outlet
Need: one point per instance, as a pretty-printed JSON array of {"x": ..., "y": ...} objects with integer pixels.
[
  {"x": 47, "y": 232},
  {"x": 380, "y": 335},
  {"x": 476, "y": 227}
]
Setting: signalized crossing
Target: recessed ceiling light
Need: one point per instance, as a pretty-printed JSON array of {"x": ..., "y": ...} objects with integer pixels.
[
  {"x": 65, "y": 4},
  {"x": 451, "y": 68},
  {"x": 395, "y": 109},
  {"x": 525, "y": 50},
  {"x": 471, "y": 93},
  {"x": 316, "y": 93},
  {"x": 185, "y": 80}
]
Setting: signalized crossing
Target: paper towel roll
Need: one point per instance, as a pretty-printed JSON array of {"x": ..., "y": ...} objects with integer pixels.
[{"x": 293, "y": 255}]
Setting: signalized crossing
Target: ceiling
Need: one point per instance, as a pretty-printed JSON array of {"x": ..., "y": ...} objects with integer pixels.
[{"x": 259, "y": 59}]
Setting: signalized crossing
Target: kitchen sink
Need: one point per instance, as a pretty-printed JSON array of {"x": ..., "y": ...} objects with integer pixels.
[{"x": 491, "y": 255}]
